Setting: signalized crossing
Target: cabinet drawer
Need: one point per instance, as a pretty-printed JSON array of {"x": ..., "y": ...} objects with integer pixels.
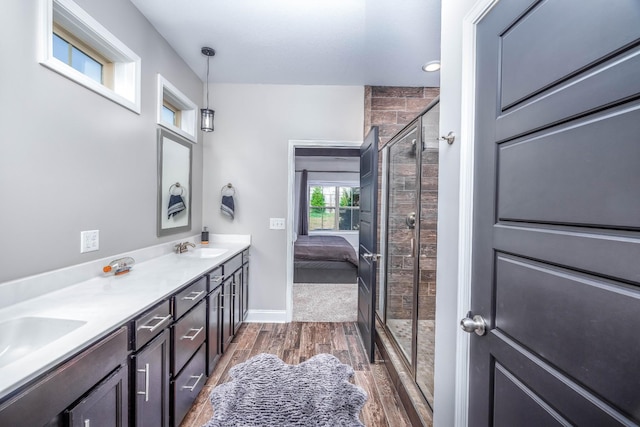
[
  {"x": 188, "y": 333},
  {"x": 187, "y": 385},
  {"x": 189, "y": 297},
  {"x": 232, "y": 265},
  {"x": 215, "y": 278},
  {"x": 151, "y": 324}
]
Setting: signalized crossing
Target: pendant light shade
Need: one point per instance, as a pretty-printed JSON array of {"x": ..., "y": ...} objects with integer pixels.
[
  {"x": 206, "y": 115},
  {"x": 206, "y": 119}
]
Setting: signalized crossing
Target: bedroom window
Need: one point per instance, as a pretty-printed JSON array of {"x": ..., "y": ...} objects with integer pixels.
[{"x": 334, "y": 208}]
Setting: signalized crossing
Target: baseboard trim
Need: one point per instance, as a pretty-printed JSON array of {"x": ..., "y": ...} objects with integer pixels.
[{"x": 266, "y": 316}]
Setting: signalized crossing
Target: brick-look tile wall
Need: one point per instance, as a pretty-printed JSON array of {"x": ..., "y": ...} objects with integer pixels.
[{"x": 391, "y": 109}]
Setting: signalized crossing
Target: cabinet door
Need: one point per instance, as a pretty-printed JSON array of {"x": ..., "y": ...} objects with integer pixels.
[
  {"x": 151, "y": 402},
  {"x": 213, "y": 329},
  {"x": 236, "y": 299},
  {"x": 106, "y": 405},
  {"x": 245, "y": 291},
  {"x": 226, "y": 313}
]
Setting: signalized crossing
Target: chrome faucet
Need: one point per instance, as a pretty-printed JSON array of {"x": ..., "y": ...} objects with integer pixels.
[{"x": 183, "y": 247}]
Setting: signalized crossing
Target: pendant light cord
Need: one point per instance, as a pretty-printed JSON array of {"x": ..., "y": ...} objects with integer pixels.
[{"x": 208, "y": 58}]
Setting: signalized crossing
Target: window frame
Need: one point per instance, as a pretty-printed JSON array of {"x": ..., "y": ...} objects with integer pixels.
[
  {"x": 124, "y": 87},
  {"x": 185, "y": 109},
  {"x": 336, "y": 208}
]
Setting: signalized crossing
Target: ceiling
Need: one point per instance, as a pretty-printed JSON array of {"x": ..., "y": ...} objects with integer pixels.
[{"x": 307, "y": 42}]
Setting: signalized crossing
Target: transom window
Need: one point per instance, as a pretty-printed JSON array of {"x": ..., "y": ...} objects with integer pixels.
[
  {"x": 78, "y": 47},
  {"x": 76, "y": 58},
  {"x": 334, "y": 208}
]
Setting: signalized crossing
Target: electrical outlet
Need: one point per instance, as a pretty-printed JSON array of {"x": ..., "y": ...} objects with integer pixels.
[
  {"x": 276, "y": 223},
  {"x": 89, "y": 241}
]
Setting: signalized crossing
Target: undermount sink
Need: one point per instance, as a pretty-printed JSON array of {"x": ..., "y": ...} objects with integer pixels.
[
  {"x": 206, "y": 252},
  {"x": 21, "y": 336}
]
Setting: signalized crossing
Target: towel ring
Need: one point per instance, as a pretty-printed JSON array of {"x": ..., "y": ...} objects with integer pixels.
[
  {"x": 228, "y": 190},
  {"x": 179, "y": 187}
]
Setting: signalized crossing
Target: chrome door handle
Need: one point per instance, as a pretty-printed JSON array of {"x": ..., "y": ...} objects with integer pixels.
[
  {"x": 146, "y": 382},
  {"x": 192, "y": 387},
  {"x": 192, "y": 337},
  {"x": 160, "y": 320},
  {"x": 369, "y": 256},
  {"x": 475, "y": 324},
  {"x": 193, "y": 296}
]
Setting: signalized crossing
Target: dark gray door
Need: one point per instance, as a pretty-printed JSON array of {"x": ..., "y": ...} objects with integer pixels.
[
  {"x": 368, "y": 239},
  {"x": 556, "y": 233}
]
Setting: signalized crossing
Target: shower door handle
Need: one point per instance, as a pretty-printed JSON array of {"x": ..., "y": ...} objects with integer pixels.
[
  {"x": 413, "y": 248},
  {"x": 371, "y": 257}
]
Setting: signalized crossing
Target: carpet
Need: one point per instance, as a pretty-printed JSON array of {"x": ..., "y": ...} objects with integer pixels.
[
  {"x": 325, "y": 302},
  {"x": 265, "y": 391}
]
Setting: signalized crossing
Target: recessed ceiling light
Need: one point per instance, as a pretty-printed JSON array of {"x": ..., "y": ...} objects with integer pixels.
[{"x": 431, "y": 66}]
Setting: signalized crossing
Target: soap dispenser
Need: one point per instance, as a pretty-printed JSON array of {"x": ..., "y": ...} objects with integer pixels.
[{"x": 204, "y": 239}]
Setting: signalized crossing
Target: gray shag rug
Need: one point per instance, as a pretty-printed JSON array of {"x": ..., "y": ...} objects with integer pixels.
[{"x": 265, "y": 391}]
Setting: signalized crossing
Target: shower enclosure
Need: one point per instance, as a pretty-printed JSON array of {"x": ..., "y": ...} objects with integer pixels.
[{"x": 406, "y": 287}]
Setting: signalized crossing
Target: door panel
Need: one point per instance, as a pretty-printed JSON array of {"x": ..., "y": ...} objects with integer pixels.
[
  {"x": 556, "y": 232},
  {"x": 601, "y": 151},
  {"x": 367, "y": 261},
  {"x": 532, "y": 59},
  {"x": 524, "y": 408}
]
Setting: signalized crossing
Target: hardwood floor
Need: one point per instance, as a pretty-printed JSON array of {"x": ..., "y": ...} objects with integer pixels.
[{"x": 297, "y": 342}]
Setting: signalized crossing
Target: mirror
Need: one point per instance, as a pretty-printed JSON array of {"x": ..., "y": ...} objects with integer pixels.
[{"x": 174, "y": 184}]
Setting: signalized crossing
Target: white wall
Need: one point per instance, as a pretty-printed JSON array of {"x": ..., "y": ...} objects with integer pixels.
[
  {"x": 447, "y": 319},
  {"x": 71, "y": 160},
  {"x": 249, "y": 148}
]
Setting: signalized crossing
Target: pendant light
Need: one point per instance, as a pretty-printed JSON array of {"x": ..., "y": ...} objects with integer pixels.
[{"x": 206, "y": 115}]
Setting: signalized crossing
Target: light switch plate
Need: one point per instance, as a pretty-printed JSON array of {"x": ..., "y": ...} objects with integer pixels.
[
  {"x": 276, "y": 223},
  {"x": 89, "y": 241}
]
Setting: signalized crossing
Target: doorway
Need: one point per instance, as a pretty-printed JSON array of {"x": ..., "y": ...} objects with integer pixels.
[{"x": 321, "y": 287}]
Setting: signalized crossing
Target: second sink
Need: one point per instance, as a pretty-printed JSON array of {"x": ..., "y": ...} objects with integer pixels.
[{"x": 206, "y": 252}]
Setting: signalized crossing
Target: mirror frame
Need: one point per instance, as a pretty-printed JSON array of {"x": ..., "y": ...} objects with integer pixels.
[{"x": 164, "y": 135}]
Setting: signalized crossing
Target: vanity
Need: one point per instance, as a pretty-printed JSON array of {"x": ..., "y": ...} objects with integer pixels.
[{"x": 130, "y": 350}]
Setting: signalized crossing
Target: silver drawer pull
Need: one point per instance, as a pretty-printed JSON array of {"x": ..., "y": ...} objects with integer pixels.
[
  {"x": 193, "y": 296},
  {"x": 192, "y": 337},
  {"x": 192, "y": 387},
  {"x": 145, "y": 393},
  {"x": 157, "y": 325},
  {"x": 217, "y": 279},
  {"x": 87, "y": 423}
]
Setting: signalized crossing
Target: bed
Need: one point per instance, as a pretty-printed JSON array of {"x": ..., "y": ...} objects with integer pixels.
[{"x": 324, "y": 259}]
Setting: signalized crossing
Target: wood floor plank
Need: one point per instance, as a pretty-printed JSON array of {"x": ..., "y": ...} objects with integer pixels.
[
  {"x": 292, "y": 340},
  {"x": 372, "y": 412},
  {"x": 297, "y": 342},
  {"x": 390, "y": 400},
  {"x": 338, "y": 339},
  {"x": 359, "y": 360}
]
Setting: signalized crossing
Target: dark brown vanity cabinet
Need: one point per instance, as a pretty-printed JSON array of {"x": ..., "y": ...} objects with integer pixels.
[
  {"x": 105, "y": 405},
  {"x": 213, "y": 329},
  {"x": 150, "y": 397},
  {"x": 245, "y": 285},
  {"x": 226, "y": 313},
  {"x": 150, "y": 367},
  {"x": 188, "y": 348},
  {"x": 91, "y": 386}
]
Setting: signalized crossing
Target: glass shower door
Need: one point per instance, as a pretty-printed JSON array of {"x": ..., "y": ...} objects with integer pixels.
[
  {"x": 400, "y": 261},
  {"x": 426, "y": 276}
]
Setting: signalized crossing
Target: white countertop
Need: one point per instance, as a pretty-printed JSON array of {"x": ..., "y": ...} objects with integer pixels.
[{"x": 104, "y": 303}]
